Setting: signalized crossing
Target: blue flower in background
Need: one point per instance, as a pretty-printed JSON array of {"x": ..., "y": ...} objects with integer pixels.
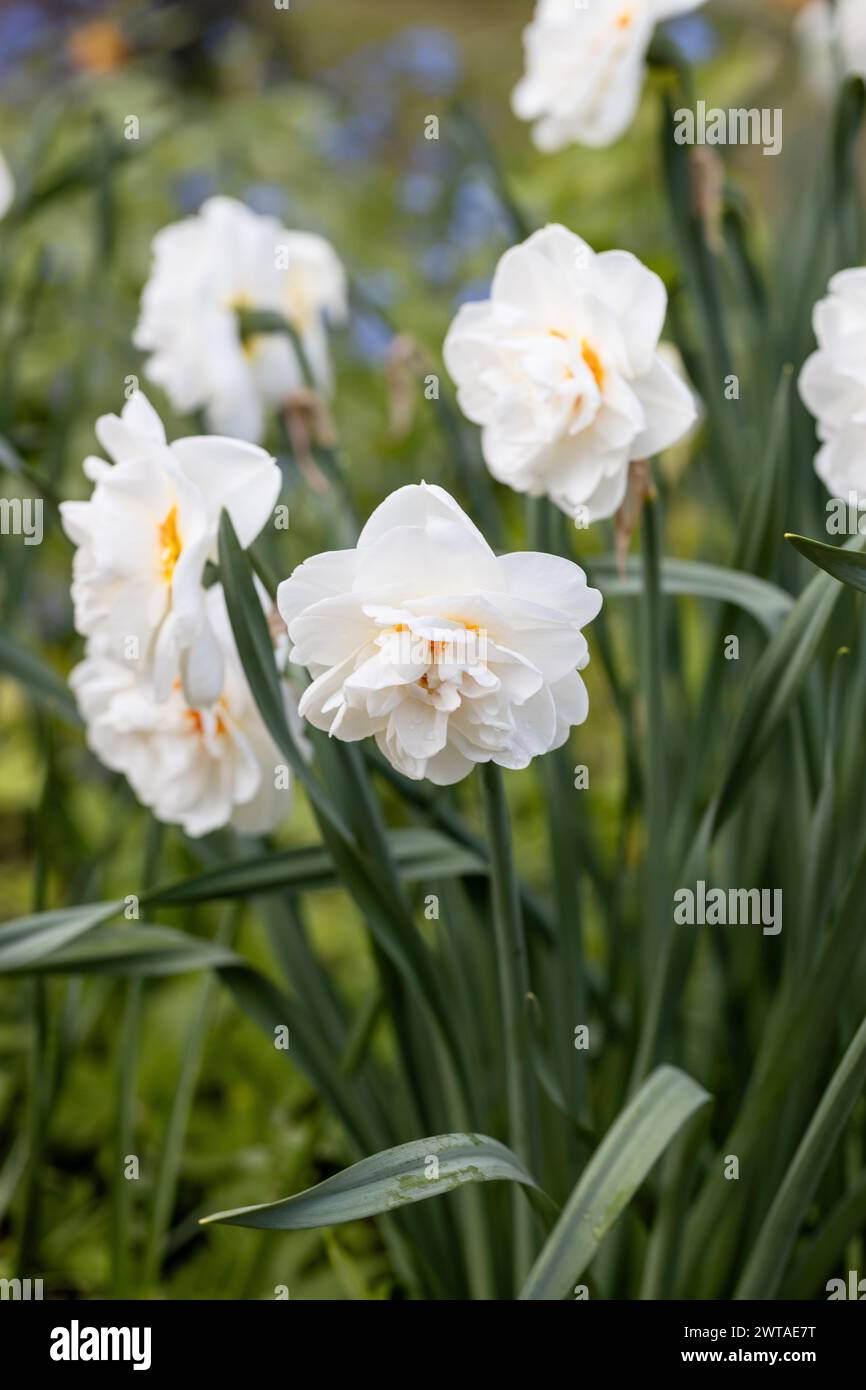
[
  {"x": 266, "y": 198},
  {"x": 439, "y": 263},
  {"x": 472, "y": 291},
  {"x": 378, "y": 286},
  {"x": 419, "y": 193},
  {"x": 371, "y": 336},
  {"x": 360, "y": 135},
  {"x": 428, "y": 56},
  {"x": 21, "y": 29},
  {"x": 191, "y": 189},
  {"x": 694, "y": 35},
  {"x": 478, "y": 216}
]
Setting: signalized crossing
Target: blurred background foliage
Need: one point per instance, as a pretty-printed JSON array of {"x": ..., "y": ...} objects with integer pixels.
[{"x": 315, "y": 114}]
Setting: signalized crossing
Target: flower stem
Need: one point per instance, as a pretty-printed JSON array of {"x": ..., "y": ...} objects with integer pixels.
[
  {"x": 658, "y": 937},
  {"x": 513, "y": 973}
]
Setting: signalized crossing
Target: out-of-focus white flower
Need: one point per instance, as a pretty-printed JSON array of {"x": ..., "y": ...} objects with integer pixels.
[
  {"x": 200, "y": 768},
  {"x": 145, "y": 535},
  {"x": 447, "y": 654},
  {"x": 585, "y": 67},
  {"x": 833, "y": 384},
  {"x": 832, "y": 40},
  {"x": 561, "y": 369},
  {"x": 7, "y": 187},
  {"x": 206, "y": 270}
]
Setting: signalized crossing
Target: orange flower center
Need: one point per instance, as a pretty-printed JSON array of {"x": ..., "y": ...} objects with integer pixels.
[
  {"x": 169, "y": 545},
  {"x": 591, "y": 359}
]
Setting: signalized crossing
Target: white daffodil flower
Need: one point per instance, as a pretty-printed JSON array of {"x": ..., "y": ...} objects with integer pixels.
[
  {"x": 832, "y": 41},
  {"x": 833, "y": 384},
  {"x": 561, "y": 368},
  {"x": 207, "y": 270},
  {"x": 7, "y": 187},
  {"x": 145, "y": 535},
  {"x": 445, "y": 653},
  {"x": 201, "y": 768},
  {"x": 585, "y": 67}
]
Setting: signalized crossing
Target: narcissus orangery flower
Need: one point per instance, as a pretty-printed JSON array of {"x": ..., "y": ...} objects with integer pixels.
[
  {"x": 445, "y": 653},
  {"x": 208, "y": 271},
  {"x": 145, "y": 536},
  {"x": 560, "y": 367},
  {"x": 833, "y": 384},
  {"x": 585, "y": 67},
  {"x": 200, "y": 768}
]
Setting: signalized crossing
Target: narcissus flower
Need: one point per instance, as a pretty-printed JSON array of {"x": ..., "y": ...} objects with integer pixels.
[
  {"x": 445, "y": 653},
  {"x": 833, "y": 41},
  {"x": 561, "y": 369},
  {"x": 207, "y": 271},
  {"x": 833, "y": 384},
  {"x": 201, "y": 768},
  {"x": 585, "y": 67},
  {"x": 7, "y": 187},
  {"x": 145, "y": 536}
]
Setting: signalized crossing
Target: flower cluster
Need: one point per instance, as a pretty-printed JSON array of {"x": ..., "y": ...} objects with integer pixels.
[
  {"x": 161, "y": 687},
  {"x": 421, "y": 637},
  {"x": 833, "y": 384}
]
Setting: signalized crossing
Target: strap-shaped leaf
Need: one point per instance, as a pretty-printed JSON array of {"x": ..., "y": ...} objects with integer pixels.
[
  {"x": 137, "y": 951},
  {"x": 775, "y": 685},
  {"x": 419, "y": 853},
  {"x": 637, "y": 1138},
  {"x": 765, "y": 602},
  {"x": 386, "y": 1181},
  {"x": 769, "y": 1258},
  {"x": 42, "y": 685},
  {"x": 848, "y": 566},
  {"x": 28, "y": 940}
]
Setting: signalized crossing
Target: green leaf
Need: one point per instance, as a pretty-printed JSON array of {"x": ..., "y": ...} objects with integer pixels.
[
  {"x": 134, "y": 951},
  {"x": 793, "y": 1046},
  {"x": 765, "y": 602},
  {"x": 11, "y": 460},
  {"x": 420, "y": 854},
  {"x": 637, "y": 1138},
  {"x": 848, "y": 566},
  {"x": 45, "y": 688},
  {"x": 27, "y": 940},
  {"x": 769, "y": 1257},
  {"x": 817, "y": 1261},
  {"x": 387, "y": 1181},
  {"x": 775, "y": 685},
  {"x": 252, "y": 638}
]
